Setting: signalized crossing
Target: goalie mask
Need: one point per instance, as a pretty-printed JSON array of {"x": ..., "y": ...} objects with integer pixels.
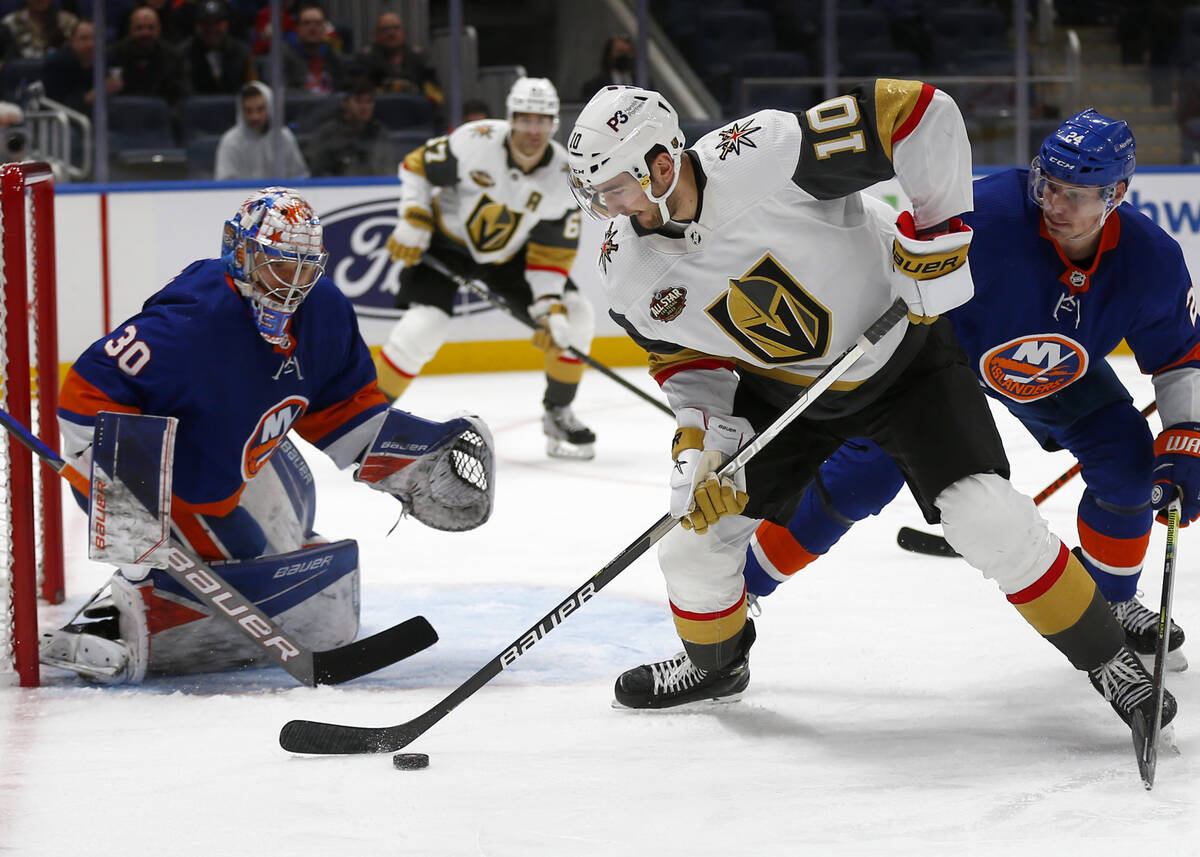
[
  {"x": 1083, "y": 162},
  {"x": 272, "y": 248},
  {"x": 608, "y": 146}
]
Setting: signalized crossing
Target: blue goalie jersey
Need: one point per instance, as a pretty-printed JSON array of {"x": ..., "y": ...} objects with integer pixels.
[
  {"x": 1038, "y": 321},
  {"x": 193, "y": 353}
]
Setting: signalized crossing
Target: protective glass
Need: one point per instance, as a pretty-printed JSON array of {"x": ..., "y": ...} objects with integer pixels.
[{"x": 610, "y": 198}]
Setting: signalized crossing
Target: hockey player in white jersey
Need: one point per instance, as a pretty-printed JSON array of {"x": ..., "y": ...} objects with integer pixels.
[
  {"x": 490, "y": 201},
  {"x": 744, "y": 265}
]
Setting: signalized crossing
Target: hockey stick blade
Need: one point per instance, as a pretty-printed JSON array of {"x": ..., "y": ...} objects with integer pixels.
[
  {"x": 926, "y": 543},
  {"x": 1145, "y": 750},
  {"x": 309, "y": 736},
  {"x": 334, "y": 666}
]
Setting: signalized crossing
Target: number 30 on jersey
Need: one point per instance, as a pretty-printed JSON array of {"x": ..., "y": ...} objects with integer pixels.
[{"x": 131, "y": 353}]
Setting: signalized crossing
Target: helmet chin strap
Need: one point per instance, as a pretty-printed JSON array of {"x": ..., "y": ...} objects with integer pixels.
[{"x": 661, "y": 201}]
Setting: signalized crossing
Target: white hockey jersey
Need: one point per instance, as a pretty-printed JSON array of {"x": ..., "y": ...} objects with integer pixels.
[
  {"x": 483, "y": 201},
  {"x": 786, "y": 263}
]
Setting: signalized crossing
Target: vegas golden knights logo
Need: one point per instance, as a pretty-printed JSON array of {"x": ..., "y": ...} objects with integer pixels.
[
  {"x": 769, "y": 315},
  {"x": 491, "y": 225}
]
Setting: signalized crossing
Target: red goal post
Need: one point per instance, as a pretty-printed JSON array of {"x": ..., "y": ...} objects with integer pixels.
[{"x": 31, "y": 555}]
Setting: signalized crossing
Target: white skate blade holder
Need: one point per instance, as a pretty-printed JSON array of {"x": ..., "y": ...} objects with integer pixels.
[{"x": 130, "y": 512}]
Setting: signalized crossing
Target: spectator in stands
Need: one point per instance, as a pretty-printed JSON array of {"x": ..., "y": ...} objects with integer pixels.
[
  {"x": 174, "y": 20},
  {"x": 217, "y": 62},
  {"x": 618, "y": 62},
  {"x": 353, "y": 143},
  {"x": 394, "y": 66},
  {"x": 262, "y": 25},
  {"x": 244, "y": 151},
  {"x": 149, "y": 64},
  {"x": 68, "y": 72},
  {"x": 314, "y": 63},
  {"x": 40, "y": 27}
]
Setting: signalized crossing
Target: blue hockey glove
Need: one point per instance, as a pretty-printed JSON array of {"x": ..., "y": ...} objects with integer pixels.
[{"x": 1177, "y": 468}]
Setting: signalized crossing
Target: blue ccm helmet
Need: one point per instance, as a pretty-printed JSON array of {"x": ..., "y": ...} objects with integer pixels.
[{"x": 1089, "y": 149}]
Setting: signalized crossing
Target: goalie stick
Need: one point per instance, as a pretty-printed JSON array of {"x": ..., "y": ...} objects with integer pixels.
[
  {"x": 309, "y": 736},
  {"x": 1145, "y": 736},
  {"x": 480, "y": 288},
  {"x": 331, "y": 666},
  {"x": 932, "y": 544}
]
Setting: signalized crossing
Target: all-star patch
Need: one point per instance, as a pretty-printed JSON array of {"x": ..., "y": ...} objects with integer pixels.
[
  {"x": 667, "y": 304},
  {"x": 482, "y": 179},
  {"x": 736, "y": 136},
  {"x": 483, "y": 130},
  {"x": 608, "y": 247}
]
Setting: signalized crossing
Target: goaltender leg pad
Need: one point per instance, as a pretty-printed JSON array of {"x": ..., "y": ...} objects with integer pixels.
[
  {"x": 129, "y": 516},
  {"x": 312, "y": 594},
  {"x": 443, "y": 473}
]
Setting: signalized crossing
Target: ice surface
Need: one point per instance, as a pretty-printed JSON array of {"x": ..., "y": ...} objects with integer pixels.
[{"x": 899, "y": 705}]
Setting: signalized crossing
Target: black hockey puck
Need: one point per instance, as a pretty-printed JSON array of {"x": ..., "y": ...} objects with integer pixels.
[{"x": 410, "y": 761}]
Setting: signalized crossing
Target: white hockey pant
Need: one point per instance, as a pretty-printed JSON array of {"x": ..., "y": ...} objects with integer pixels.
[
  {"x": 704, "y": 572},
  {"x": 416, "y": 337},
  {"x": 998, "y": 530}
]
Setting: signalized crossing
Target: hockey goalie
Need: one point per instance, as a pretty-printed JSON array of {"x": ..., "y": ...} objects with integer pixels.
[{"x": 182, "y": 416}]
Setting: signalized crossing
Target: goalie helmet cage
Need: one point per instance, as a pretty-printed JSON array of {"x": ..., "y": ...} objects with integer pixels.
[{"x": 31, "y": 555}]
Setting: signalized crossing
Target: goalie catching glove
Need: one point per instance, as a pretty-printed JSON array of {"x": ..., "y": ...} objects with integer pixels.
[
  {"x": 553, "y": 327},
  {"x": 442, "y": 473},
  {"x": 699, "y": 498},
  {"x": 410, "y": 238},
  {"x": 934, "y": 261}
]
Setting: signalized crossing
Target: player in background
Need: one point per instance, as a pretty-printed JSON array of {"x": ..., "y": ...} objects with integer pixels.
[
  {"x": 242, "y": 350},
  {"x": 490, "y": 201},
  {"x": 744, "y": 265},
  {"x": 1063, "y": 272}
]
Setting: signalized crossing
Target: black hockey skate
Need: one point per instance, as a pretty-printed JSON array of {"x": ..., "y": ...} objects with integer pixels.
[
  {"x": 678, "y": 681},
  {"x": 1141, "y": 633},
  {"x": 566, "y": 436},
  {"x": 1128, "y": 687}
]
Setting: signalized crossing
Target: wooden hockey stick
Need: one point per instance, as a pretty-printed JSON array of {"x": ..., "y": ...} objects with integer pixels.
[
  {"x": 480, "y": 288},
  {"x": 331, "y": 666},
  {"x": 932, "y": 544},
  {"x": 1145, "y": 738},
  {"x": 308, "y": 736}
]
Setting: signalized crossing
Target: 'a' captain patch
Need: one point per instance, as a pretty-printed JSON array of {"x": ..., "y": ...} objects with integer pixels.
[{"x": 1029, "y": 368}]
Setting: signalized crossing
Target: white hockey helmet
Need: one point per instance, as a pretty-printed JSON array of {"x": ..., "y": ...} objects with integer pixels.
[
  {"x": 273, "y": 249},
  {"x": 613, "y": 134},
  {"x": 532, "y": 95}
]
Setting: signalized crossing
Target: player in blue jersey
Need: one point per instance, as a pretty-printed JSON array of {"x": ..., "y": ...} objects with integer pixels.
[
  {"x": 241, "y": 350},
  {"x": 1062, "y": 273}
]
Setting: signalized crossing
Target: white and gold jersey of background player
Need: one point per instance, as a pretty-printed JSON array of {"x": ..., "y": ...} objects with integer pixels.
[
  {"x": 786, "y": 263},
  {"x": 482, "y": 200}
]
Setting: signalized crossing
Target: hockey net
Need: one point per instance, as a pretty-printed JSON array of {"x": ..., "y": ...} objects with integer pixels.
[{"x": 31, "y": 556}]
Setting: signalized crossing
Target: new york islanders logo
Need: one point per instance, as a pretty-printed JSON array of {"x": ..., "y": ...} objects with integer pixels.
[
  {"x": 1029, "y": 368},
  {"x": 272, "y": 427}
]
